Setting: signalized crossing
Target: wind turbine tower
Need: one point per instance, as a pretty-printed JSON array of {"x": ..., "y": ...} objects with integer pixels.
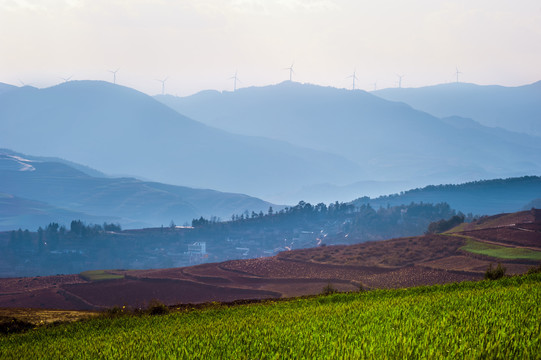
[
  {"x": 163, "y": 84},
  {"x": 400, "y": 80},
  {"x": 354, "y": 78},
  {"x": 235, "y": 79},
  {"x": 457, "y": 72},
  {"x": 114, "y": 74},
  {"x": 290, "y": 72}
]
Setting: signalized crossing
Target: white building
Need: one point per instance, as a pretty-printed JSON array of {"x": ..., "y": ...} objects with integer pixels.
[{"x": 198, "y": 248}]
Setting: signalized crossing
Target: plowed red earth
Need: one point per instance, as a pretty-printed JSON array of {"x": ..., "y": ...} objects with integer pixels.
[{"x": 404, "y": 262}]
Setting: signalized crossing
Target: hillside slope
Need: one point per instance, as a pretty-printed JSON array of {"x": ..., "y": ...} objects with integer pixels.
[
  {"x": 484, "y": 197},
  {"x": 20, "y": 213},
  {"x": 129, "y": 201}
]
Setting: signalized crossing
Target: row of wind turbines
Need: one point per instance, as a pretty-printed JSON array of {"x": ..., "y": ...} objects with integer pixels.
[{"x": 235, "y": 78}]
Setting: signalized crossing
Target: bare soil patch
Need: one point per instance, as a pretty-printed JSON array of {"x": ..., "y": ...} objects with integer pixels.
[
  {"x": 392, "y": 253},
  {"x": 516, "y": 236},
  {"x": 139, "y": 293}
]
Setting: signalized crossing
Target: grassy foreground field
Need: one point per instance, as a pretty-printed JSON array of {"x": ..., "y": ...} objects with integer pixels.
[{"x": 488, "y": 319}]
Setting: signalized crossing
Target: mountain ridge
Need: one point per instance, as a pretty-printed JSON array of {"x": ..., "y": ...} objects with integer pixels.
[
  {"x": 391, "y": 140},
  {"x": 122, "y": 131},
  {"x": 513, "y": 108},
  {"x": 483, "y": 197}
]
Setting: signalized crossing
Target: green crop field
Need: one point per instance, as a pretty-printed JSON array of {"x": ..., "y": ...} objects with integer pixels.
[
  {"x": 502, "y": 252},
  {"x": 488, "y": 319},
  {"x": 100, "y": 275}
]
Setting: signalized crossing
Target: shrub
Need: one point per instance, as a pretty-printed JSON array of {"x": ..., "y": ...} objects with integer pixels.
[
  {"x": 444, "y": 225},
  {"x": 13, "y": 325},
  {"x": 157, "y": 308},
  {"x": 494, "y": 274},
  {"x": 329, "y": 289},
  {"x": 534, "y": 270}
]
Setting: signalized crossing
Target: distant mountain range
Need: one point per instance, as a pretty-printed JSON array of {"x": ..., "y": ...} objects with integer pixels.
[
  {"x": 512, "y": 108},
  {"x": 391, "y": 141},
  {"x": 37, "y": 191},
  {"x": 283, "y": 143},
  {"x": 486, "y": 197},
  {"x": 121, "y": 131}
]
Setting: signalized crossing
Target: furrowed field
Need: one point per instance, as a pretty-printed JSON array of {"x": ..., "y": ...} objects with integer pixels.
[{"x": 489, "y": 319}]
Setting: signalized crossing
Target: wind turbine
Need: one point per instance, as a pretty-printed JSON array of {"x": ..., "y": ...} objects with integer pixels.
[
  {"x": 400, "y": 80},
  {"x": 114, "y": 74},
  {"x": 67, "y": 79},
  {"x": 235, "y": 78},
  {"x": 163, "y": 84},
  {"x": 457, "y": 72},
  {"x": 375, "y": 86},
  {"x": 290, "y": 71},
  {"x": 353, "y": 77}
]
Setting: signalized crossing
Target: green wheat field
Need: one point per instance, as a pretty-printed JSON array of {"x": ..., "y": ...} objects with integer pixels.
[{"x": 486, "y": 320}]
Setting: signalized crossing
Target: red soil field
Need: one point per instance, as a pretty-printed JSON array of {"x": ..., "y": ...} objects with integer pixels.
[{"x": 404, "y": 262}]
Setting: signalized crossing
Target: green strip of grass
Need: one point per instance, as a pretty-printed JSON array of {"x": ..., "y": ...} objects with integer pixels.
[
  {"x": 488, "y": 319},
  {"x": 100, "y": 275},
  {"x": 500, "y": 252}
]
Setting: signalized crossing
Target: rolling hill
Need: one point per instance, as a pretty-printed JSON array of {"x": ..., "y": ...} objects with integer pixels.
[
  {"x": 512, "y": 108},
  {"x": 485, "y": 197},
  {"x": 122, "y": 131},
  {"x": 17, "y": 212},
  {"x": 390, "y": 140},
  {"x": 62, "y": 193}
]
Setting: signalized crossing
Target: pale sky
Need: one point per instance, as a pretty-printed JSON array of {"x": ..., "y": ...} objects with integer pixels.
[{"x": 200, "y": 44}]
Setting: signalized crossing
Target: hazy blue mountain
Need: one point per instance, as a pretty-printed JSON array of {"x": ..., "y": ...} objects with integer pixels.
[
  {"x": 512, "y": 108},
  {"x": 129, "y": 201},
  {"x": 122, "y": 131},
  {"x": 486, "y": 197},
  {"x": 6, "y": 87},
  {"x": 17, "y": 212},
  {"x": 391, "y": 140}
]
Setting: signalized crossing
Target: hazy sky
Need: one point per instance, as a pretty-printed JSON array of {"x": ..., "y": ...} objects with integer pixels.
[{"x": 200, "y": 44}]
